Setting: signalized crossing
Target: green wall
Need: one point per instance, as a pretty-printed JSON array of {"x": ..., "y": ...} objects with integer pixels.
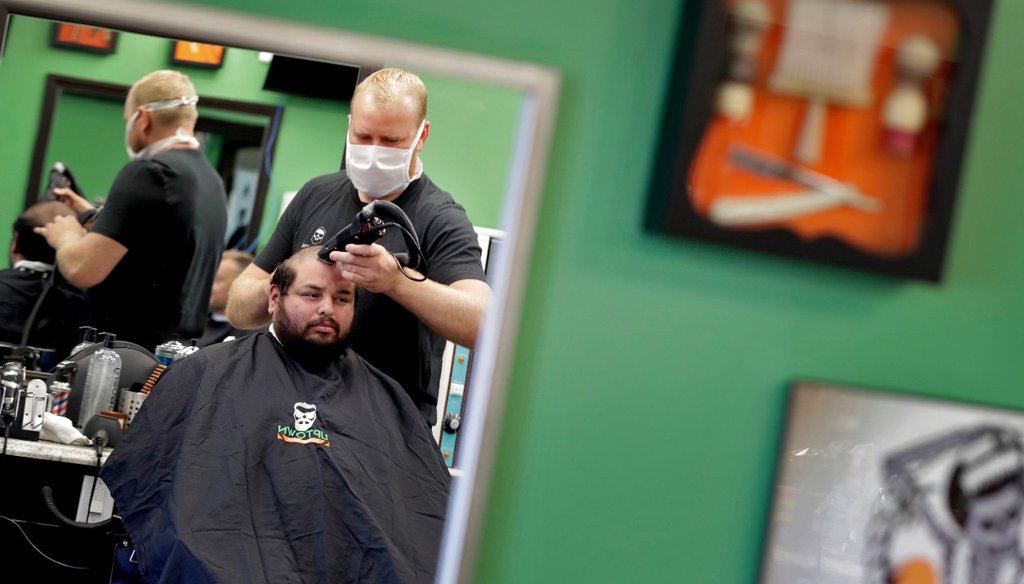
[
  {"x": 650, "y": 374},
  {"x": 83, "y": 138},
  {"x": 310, "y": 141}
]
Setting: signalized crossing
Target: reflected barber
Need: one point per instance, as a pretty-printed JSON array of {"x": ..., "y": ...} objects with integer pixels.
[
  {"x": 149, "y": 259},
  {"x": 403, "y": 321}
]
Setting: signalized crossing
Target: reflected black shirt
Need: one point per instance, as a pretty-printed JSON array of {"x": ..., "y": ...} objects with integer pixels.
[{"x": 171, "y": 213}]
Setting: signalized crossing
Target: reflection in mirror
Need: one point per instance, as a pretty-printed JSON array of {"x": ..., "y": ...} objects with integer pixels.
[
  {"x": 491, "y": 125},
  {"x": 235, "y": 136},
  {"x": 309, "y": 139}
]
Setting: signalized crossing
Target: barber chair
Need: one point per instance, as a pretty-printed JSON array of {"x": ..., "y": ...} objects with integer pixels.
[{"x": 137, "y": 364}]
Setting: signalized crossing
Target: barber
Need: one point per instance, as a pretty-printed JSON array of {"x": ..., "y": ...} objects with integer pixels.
[
  {"x": 403, "y": 318},
  {"x": 149, "y": 259}
]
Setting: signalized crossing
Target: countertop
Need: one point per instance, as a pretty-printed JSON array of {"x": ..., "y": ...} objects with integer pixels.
[{"x": 43, "y": 450}]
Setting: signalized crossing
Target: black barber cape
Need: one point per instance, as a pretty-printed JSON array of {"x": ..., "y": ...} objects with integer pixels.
[{"x": 222, "y": 478}]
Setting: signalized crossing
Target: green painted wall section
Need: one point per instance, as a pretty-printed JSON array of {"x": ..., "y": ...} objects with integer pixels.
[
  {"x": 310, "y": 140},
  {"x": 87, "y": 138},
  {"x": 650, "y": 375}
]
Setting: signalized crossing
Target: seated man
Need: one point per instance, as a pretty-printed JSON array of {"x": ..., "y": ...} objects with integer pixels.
[
  {"x": 55, "y": 321},
  {"x": 218, "y": 329},
  {"x": 282, "y": 456}
]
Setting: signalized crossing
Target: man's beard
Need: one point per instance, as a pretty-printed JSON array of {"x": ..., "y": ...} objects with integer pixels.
[{"x": 309, "y": 349}]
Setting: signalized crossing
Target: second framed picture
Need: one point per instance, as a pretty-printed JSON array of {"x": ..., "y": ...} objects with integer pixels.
[
  {"x": 877, "y": 486},
  {"x": 194, "y": 54}
]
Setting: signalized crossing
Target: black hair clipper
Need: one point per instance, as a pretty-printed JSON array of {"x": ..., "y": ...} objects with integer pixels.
[
  {"x": 60, "y": 177},
  {"x": 366, "y": 228}
]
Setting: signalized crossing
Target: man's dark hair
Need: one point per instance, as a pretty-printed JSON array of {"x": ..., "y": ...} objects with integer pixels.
[
  {"x": 30, "y": 244},
  {"x": 284, "y": 275}
]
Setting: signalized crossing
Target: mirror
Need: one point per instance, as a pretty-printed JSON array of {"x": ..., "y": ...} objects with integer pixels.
[{"x": 448, "y": 75}]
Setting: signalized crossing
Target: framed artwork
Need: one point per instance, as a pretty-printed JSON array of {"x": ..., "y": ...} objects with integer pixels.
[
  {"x": 201, "y": 55},
  {"x": 83, "y": 38},
  {"x": 825, "y": 130},
  {"x": 879, "y": 487}
]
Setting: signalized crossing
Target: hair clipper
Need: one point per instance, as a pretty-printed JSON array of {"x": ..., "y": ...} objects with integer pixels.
[
  {"x": 61, "y": 177},
  {"x": 366, "y": 228}
]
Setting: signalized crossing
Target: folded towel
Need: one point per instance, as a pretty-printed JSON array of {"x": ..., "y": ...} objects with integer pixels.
[{"x": 60, "y": 429}]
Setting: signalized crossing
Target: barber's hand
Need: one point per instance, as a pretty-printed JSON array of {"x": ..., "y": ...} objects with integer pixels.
[
  {"x": 370, "y": 267},
  {"x": 77, "y": 202},
  {"x": 61, "y": 231}
]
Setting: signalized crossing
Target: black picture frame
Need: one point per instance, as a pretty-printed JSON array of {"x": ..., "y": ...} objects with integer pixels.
[
  {"x": 701, "y": 56},
  {"x": 198, "y": 55},
  {"x": 78, "y": 37}
]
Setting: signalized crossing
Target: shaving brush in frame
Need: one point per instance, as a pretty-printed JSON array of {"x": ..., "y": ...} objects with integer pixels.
[{"x": 905, "y": 111}]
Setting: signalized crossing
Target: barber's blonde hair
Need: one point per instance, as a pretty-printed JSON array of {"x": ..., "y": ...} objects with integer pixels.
[
  {"x": 241, "y": 258},
  {"x": 162, "y": 85},
  {"x": 390, "y": 85}
]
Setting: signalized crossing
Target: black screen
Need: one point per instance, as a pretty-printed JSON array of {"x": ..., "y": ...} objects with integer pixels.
[{"x": 310, "y": 78}]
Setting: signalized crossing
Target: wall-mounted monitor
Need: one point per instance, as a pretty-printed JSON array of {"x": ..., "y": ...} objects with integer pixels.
[{"x": 311, "y": 78}]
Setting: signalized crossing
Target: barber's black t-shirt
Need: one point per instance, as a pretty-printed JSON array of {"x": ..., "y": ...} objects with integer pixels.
[
  {"x": 384, "y": 333},
  {"x": 171, "y": 213}
]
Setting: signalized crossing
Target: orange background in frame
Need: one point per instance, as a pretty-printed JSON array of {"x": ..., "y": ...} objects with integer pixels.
[
  {"x": 201, "y": 53},
  {"x": 852, "y": 145},
  {"x": 85, "y": 36}
]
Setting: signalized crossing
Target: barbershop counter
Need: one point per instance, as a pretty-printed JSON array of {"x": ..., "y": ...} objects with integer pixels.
[
  {"x": 32, "y": 536},
  {"x": 52, "y": 451}
]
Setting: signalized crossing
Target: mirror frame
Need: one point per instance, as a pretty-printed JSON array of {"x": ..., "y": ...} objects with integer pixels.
[
  {"x": 58, "y": 85},
  {"x": 541, "y": 86}
]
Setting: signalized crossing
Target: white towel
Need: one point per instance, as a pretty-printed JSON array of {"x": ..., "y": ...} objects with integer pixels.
[{"x": 60, "y": 429}]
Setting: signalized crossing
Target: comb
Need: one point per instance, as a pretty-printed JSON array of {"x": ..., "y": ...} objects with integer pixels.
[{"x": 153, "y": 377}]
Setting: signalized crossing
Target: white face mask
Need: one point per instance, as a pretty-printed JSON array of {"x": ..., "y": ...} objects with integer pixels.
[
  {"x": 378, "y": 171},
  {"x": 180, "y": 137}
]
